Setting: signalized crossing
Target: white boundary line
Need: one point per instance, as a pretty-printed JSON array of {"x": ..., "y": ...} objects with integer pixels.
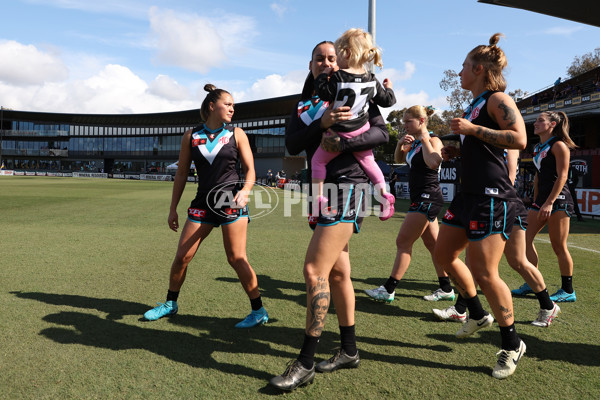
[{"x": 570, "y": 246}]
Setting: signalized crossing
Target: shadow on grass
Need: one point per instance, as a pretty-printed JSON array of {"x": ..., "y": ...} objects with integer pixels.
[
  {"x": 215, "y": 335},
  {"x": 575, "y": 353},
  {"x": 116, "y": 309},
  {"x": 272, "y": 288}
]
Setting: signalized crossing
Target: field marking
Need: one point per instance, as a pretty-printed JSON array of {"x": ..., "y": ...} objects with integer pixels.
[{"x": 570, "y": 245}]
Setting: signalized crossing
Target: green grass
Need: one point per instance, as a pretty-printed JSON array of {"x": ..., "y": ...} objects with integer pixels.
[{"x": 81, "y": 260}]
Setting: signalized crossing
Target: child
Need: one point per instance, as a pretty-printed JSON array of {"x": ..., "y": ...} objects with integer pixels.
[{"x": 353, "y": 86}]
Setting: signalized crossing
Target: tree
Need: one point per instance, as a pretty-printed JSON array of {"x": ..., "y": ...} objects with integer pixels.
[
  {"x": 518, "y": 95},
  {"x": 458, "y": 98},
  {"x": 585, "y": 63},
  {"x": 438, "y": 125}
]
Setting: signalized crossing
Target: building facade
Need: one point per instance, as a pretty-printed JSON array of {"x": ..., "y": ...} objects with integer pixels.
[{"x": 138, "y": 143}]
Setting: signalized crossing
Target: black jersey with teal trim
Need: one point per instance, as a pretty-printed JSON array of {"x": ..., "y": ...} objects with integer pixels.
[
  {"x": 483, "y": 166},
  {"x": 355, "y": 91},
  {"x": 215, "y": 155},
  {"x": 304, "y": 133},
  {"x": 545, "y": 163},
  {"x": 423, "y": 182}
]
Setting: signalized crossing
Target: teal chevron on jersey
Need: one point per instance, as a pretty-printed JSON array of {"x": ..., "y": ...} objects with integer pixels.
[{"x": 311, "y": 110}]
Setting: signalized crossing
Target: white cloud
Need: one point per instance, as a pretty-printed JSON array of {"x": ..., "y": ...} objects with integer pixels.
[
  {"x": 562, "y": 30},
  {"x": 272, "y": 86},
  {"x": 395, "y": 75},
  {"x": 168, "y": 88},
  {"x": 198, "y": 43},
  {"x": 280, "y": 7},
  {"x": 114, "y": 89},
  {"x": 404, "y": 100},
  {"x": 26, "y": 65}
]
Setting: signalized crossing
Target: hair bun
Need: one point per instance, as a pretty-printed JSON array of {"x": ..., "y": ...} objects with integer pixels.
[
  {"x": 209, "y": 87},
  {"x": 495, "y": 39}
]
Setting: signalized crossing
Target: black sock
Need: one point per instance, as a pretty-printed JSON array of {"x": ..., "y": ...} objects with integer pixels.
[
  {"x": 510, "y": 340},
  {"x": 348, "y": 339},
  {"x": 461, "y": 304},
  {"x": 307, "y": 353},
  {"x": 445, "y": 283},
  {"x": 567, "y": 283},
  {"x": 475, "y": 309},
  {"x": 172, "y": 296},
  {"x": 544, "y": 299},
  {"x": 256, "y": 303},
  {"x": 391, "y": 284}
]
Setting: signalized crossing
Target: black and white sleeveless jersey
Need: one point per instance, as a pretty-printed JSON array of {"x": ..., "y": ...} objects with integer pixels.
[
  {"x": 215, "y": 155},
  {"x": 355, "y": 91},
  {"x": 483, "y": 166},
  {"x": 423, "y": 182},
  {"x": 545, "y": 163}
]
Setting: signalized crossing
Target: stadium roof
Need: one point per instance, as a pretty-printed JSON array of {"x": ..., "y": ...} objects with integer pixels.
[
  {"x": 584, "y": 11},
  {"x": 275, "y": 107}
]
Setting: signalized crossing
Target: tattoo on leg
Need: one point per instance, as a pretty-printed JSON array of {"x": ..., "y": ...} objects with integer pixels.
[
  {"x": 318, "y": 311},
  {"x": 458, "y": 286},
  {"x": 320, "y": 285},
  {"x": 507, "y": 313}
]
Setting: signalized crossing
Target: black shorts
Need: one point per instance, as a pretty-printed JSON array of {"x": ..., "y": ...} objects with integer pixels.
[
  {"x": 481, "y": 216},
  {"x": 345, "y": 204},
  {"x": 201, "y": 212},
  {"x": 520, "y": 215},
  {"x": 560, "y": 204},
  {"x": 431, "y": 210}
]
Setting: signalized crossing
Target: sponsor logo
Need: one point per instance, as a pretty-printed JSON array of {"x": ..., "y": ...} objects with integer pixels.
[
  {"x": 580, "y": 166},
  {"x": 224, "y": 140},
  {"x": 491, "y": 191},
  {"x": 197, "y": 212},
  {"x": 448, "y": 215},
  {"x": 425, "y": 195}
]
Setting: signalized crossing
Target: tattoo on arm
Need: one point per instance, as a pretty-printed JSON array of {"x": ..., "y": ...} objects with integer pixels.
[
  {"x": 497, "y": 138},
  {"x": 509, "y": 114},
  {"x": 331, "y": 144}
]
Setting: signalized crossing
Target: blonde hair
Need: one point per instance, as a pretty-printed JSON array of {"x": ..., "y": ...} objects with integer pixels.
[
  {"x": 357, "y": 46},
  {"x": 493, "y": 60},
  {"x": 561, "y": 130},
  {"x": 213, "y": 96},
  {"x": 420, "y": 112}
]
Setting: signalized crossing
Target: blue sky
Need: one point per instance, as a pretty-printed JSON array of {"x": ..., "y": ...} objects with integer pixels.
[{"x": 143, "y": 56}]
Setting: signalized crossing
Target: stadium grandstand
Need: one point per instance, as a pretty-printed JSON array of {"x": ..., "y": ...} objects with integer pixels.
[{"x": 133, "y": 144}]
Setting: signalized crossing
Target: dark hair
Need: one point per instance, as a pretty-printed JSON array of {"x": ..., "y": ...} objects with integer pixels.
[
  {"x": 561, "y": 130},
  {"x": 493, "y": 60},
  {"x": 309, "y": 84},
  {"x": 213, "y": 96}
]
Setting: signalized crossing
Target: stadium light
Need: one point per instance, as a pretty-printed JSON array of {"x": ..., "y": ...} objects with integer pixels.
[{"x": 371, "y": 28}]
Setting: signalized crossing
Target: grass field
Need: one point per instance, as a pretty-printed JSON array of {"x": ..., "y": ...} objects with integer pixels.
[{"x": 81, "y": 260}]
